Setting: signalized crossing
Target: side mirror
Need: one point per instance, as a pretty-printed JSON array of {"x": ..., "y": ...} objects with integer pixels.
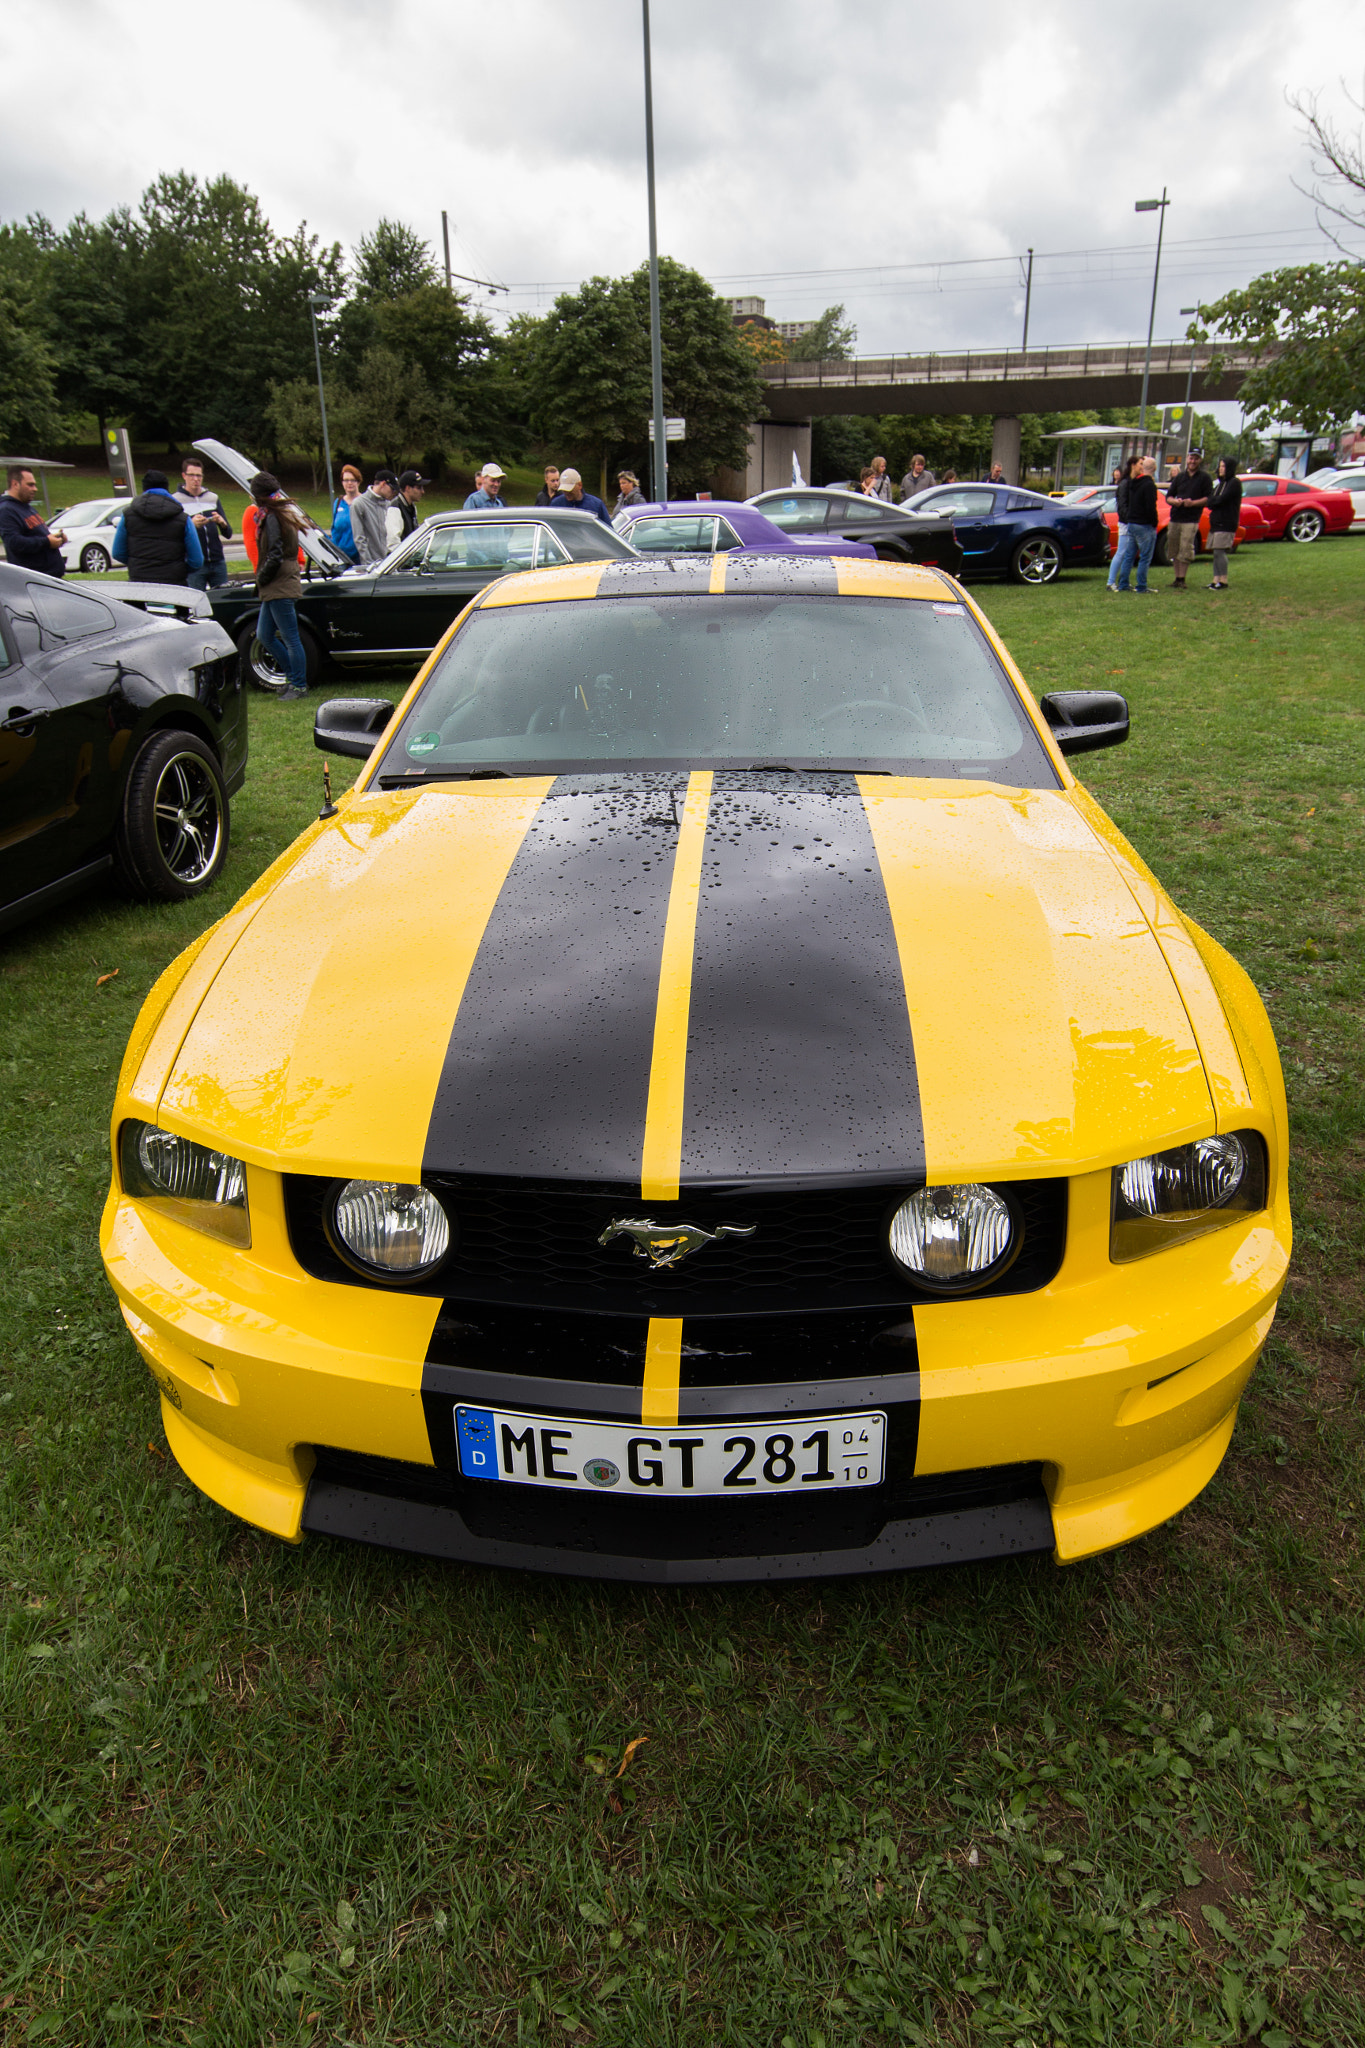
[
  {"x": 1083, "y": 720},
  {"x": 351, "y": 725}
]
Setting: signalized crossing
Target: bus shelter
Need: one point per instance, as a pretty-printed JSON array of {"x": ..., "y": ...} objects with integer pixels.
[{"x": 1090, "y": 455}]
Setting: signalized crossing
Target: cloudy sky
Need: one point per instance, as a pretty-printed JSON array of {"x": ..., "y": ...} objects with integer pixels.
[{"x": 894, "y": 155}]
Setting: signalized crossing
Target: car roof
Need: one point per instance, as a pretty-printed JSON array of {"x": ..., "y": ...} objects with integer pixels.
[
  {"x": 752, "y": 573},
  {"x": 505, "y": 515}
]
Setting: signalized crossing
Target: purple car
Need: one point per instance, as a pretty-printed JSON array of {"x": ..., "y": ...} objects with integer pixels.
[{"x": 716, "y": 526}]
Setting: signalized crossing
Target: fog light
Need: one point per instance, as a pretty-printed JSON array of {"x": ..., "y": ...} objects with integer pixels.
[
  {"x": 392, "y": 1228},
  {"x": 952, "y": 1237}
]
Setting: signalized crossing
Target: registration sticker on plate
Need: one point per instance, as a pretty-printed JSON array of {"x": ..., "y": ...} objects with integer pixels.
[{"x": 693, "y": 1458}]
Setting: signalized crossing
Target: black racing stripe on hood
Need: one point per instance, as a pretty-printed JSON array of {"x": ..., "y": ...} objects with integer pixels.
[
  {"x": 780, "y": 576},
  {"x": 799, "y": 1058},
  {"x": 657, "y": 576},
  {"x": 547, "y": 1069}
]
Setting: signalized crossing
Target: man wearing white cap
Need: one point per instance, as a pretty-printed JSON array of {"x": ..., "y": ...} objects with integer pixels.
[
  {"x": 572, "y": 495},
  {"x": 487, "y": 490}
]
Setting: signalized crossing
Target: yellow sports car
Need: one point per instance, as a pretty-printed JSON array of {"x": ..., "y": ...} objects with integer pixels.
[{"x": 716, "y": 1100}]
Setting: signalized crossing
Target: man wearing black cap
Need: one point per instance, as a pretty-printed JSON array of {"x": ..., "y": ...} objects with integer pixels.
[
  {"x": 370, "y": 515},
  {"x": 411, "y": 489},
  {"x": 154, "y": 539}
]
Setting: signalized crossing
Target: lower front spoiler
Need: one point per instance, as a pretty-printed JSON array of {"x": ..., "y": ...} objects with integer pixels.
[{"x": 957, "y": 1536}]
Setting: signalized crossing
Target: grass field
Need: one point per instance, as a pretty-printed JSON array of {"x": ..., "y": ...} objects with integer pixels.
[{"x": 253, "y": 1794}]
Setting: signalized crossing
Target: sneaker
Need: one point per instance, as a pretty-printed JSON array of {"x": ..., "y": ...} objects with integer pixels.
[{"x": 292, "y": 695}]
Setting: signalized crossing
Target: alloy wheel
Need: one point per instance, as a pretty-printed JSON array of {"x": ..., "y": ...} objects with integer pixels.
[{"x": 189, "y": 820}]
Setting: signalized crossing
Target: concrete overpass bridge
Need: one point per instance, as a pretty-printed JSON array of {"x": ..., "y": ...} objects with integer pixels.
[{"x": 1077, "y": 377}]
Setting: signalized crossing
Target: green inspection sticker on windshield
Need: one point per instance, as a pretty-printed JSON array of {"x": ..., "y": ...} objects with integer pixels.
[{"x": 424, "y": 743}]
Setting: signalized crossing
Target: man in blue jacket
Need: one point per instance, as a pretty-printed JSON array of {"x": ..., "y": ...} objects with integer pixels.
[
  {"x": 29, "y": 542},
  {"x": 572, "y": 494},
  {"x": 154, "y": 539},
  {"x": 487, "y": 492}
]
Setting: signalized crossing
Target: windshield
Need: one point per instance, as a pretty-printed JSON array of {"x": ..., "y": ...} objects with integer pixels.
[{"x": 896, "y": 684}]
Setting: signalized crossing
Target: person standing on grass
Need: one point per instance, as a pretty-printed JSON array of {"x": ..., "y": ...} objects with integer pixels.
[
  {"x": 412, "y": 488},
  {"x": 546, "y": 496},
  {"x": 370, "y": 517},
  {"x": 278, "y": 582},
  {"x": 210, "y": 522},
  {"x": 154, "y": 540},
  {"x": 628, "y": 490},
  {"x": 881, "y": 486},
  {"x": 1187, "y": 495},
  {"x": 1141, "y": 527},
  {"x": 1124, "y": 556},
  {"x": 351, "y": 487},
  {"x": 30, "y": 543},
  {"x": 916, "y": 478},
  {"x": 1225, "y": 505}
]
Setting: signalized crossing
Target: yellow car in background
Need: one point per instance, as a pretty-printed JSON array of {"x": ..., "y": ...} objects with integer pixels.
[{"x": 717, "y": 1100}]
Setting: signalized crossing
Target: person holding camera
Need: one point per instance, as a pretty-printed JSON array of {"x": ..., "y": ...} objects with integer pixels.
[{"x": 210, "y": 523}]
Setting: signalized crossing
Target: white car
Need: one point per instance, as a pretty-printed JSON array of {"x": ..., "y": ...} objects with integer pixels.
[
  {"x": 89, "y": 530},
  {"x": 1352, "y": 480}
]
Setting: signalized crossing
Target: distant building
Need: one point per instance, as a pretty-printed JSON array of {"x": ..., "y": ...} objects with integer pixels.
[{"x": 754, "y": 313}]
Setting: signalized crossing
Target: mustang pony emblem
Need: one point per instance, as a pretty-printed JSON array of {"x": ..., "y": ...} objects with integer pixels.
[{"x": 668, "y": 1244}]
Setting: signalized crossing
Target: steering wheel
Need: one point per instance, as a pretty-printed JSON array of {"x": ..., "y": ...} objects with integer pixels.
[{"x": 882, "y": 705}]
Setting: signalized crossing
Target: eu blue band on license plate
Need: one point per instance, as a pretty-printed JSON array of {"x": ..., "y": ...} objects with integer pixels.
[{"x": 791, "y": 1455}]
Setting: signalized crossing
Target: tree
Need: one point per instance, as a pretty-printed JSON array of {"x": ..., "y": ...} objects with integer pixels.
[
  {"x": 764, "y": 344},
  {"x": 392, "y": 262},
  {"x": 294, "y": 419},
  {"x": 1337, "y": 160},
  {"x": 829, "y": 339},
  {"x": 1306, "y": 325},
  {"x": 394, "y": 409},
  {"x": 29, "y": 411},
  {"x": 591, "y": 379}
]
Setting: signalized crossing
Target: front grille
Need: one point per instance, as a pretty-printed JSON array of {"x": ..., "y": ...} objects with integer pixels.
[
  {"x": 536, "y": 1246},
  {"x": 609, "y": 1526}
]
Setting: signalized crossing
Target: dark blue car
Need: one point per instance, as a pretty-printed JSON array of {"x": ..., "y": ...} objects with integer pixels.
[{"x": 1001, "y": 531}]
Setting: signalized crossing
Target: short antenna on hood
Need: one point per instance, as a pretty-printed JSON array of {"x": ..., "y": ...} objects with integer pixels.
[{"x": 329, "y": 809}]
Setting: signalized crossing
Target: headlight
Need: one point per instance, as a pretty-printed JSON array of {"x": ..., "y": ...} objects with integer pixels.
[
  {"x": 1171, "y": 1196},
  {"x": 190, "y": 1182},
  {"x": 390, "y": 1228},
  {"x": 953, "y": 1238}
]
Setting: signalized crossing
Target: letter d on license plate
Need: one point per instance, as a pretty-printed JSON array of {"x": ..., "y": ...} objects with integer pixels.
[{"x": 803, "y": 1455}]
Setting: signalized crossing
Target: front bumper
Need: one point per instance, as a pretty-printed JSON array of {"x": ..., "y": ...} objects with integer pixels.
[{"x": 1070, "y": 1419}]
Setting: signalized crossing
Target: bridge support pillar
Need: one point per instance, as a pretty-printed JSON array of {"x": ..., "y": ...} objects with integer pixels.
[
  {"x": 772, "y": 443},
  {"x": 1005, "y": 444}
]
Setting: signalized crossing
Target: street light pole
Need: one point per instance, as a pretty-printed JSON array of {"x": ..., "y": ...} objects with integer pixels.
[
  {"x": 1028, "y": 298},
  {"x": 1157, "y": 206},
  {"x": 656, "y": 359},
  {"x": 318, "y": 302},
  {"x": 1189, "y": 381}
]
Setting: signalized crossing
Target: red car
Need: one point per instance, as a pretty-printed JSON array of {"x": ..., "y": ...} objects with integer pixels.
[
  {"x": 1104, "y": 498},
  {"x": 1295, "y": 511}
]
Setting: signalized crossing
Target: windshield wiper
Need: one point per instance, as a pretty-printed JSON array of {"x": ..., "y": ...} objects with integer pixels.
[
  {"x": 812, "y": 768},
  {"x": 416, "y": 775}
]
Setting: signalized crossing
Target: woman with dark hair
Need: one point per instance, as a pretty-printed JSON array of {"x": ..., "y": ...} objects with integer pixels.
[
  {"x": 1225, "y": 503},
  {"x": 278, "y": 583}
]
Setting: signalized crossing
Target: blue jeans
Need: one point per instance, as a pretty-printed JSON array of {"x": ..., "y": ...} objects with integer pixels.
[
  {"x": 1122, "y": 561},
  {"x": 1137, "y": 545},
  {"x": 277, "y": 629},
  {"x": 210, "y": 577}
]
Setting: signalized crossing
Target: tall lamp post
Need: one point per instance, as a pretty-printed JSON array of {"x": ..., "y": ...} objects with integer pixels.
[
  {"x": 318, "y": 302},
  {"x": 656, "y": 360},
  {"x": 1188, "y": 312},
  {"x": 1157, "y": 206}
]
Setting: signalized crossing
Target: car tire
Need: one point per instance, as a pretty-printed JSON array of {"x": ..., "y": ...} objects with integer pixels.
[
  {"x": 258, "y": 668},
  {"x": 888, "y": 554},
  {"x": 1305, "y": 526},
  {"x": 95, "y": 560},
  {"x": 1036, "y": 560},
  {"x": 175, "y": 825}
]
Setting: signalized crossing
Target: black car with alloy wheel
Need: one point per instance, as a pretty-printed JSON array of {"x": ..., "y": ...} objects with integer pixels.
[
  {"x": 123, "y": 735},
  {"x": 1000, "y": 530},
  {"x": 394, "y": 611}
]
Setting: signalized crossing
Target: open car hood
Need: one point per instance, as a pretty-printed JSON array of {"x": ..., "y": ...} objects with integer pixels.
[{"x": 319, "y": 547}]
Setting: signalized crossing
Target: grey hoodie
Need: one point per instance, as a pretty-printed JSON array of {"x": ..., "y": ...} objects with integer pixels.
[{"x": 370, "y": 525}]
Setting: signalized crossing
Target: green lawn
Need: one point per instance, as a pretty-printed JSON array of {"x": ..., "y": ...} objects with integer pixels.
[{"x": 257, "y": 1794}]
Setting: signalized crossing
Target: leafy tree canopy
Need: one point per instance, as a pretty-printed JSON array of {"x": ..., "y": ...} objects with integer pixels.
[
  {"x": 392, "y": 262},
  {"x": 1307, "y": 324},
  {"x": 829, "y": 340}
]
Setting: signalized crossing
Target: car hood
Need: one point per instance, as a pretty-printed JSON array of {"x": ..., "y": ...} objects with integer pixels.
[
  {"x": 867, "y": 977},
  {"x": 318, "y": 546}
]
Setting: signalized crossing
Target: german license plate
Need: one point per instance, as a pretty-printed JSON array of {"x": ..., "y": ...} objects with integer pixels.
[{"x": 736, "y": 1458}]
